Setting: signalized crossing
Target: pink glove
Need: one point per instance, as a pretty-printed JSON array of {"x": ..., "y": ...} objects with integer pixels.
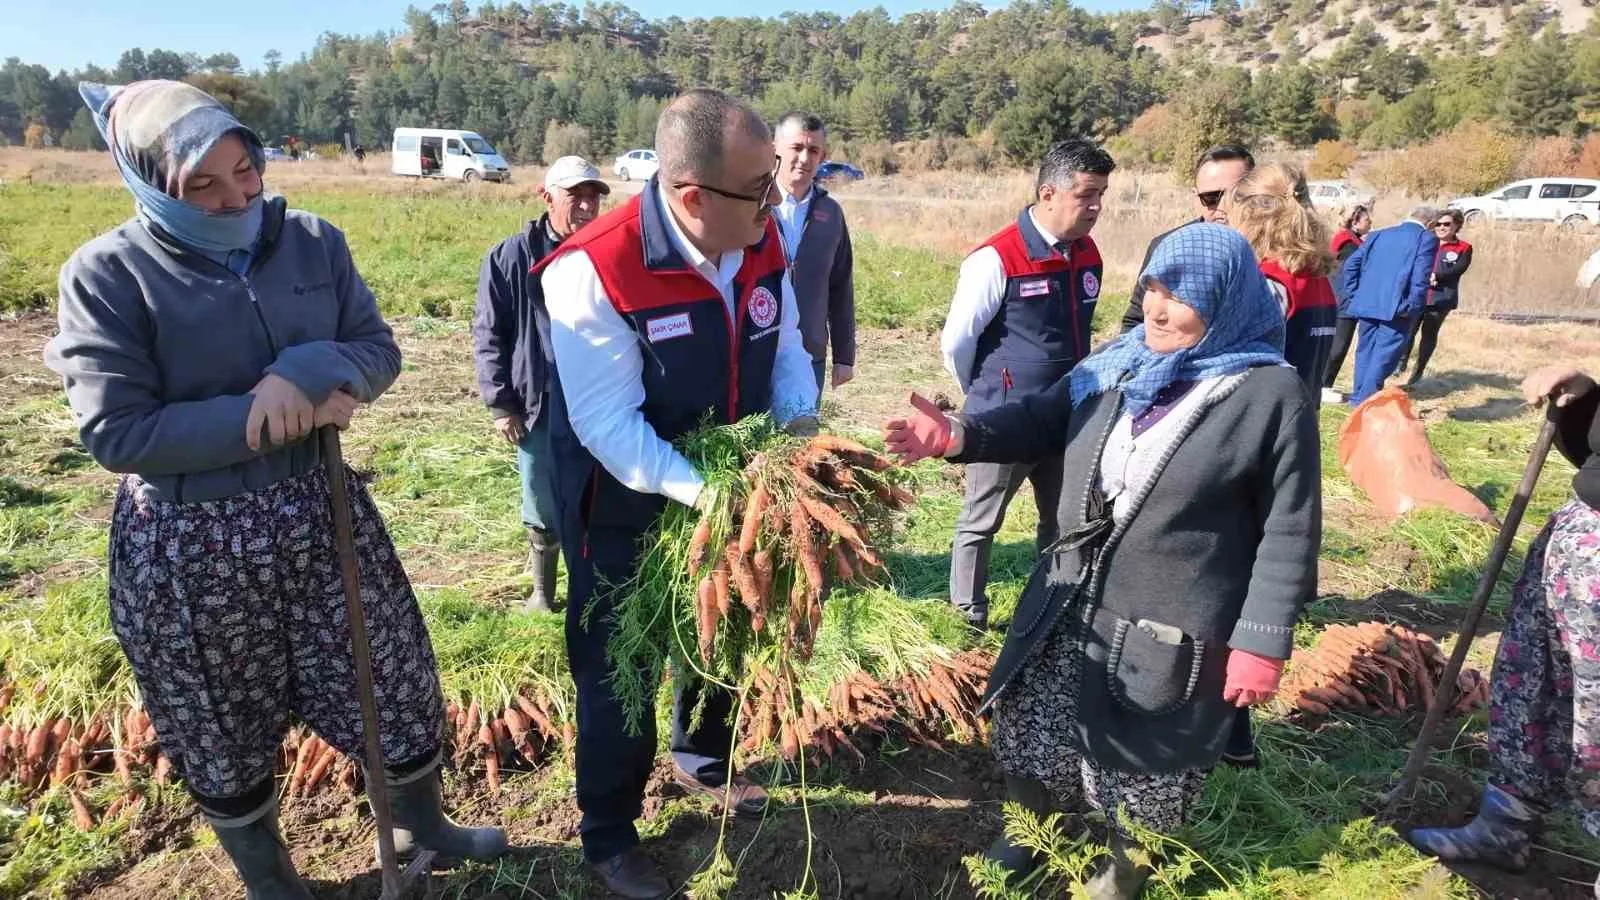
[
  {"x": 926, "y": 433},
  {"x": 1252, "y": 679}
]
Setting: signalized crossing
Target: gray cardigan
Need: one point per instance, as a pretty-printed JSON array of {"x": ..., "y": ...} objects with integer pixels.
[
  {"x": 1222, "y": 544},
  {"x": 823, "y": 272},
  {"x": 159, "y": 348}
]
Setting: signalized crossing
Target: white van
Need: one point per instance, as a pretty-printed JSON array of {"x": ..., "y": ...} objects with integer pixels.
[{"x": 446, "y": 153}]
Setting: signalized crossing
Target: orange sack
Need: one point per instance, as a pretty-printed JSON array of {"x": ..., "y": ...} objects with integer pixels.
[{"x": 1385, "y": 451}]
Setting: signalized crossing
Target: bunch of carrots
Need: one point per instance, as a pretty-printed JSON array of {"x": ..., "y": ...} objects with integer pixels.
[
  {"x": 519, "y": 736},
  {"x": 1377, "y": 668}
]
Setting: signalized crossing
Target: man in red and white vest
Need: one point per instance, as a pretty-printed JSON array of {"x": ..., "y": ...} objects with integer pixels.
[
  {"x": 671, "y": 307},
  {"x": 1018, "y": 322}
]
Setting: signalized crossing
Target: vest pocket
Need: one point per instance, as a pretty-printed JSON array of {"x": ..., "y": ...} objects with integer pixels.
[{"x": 1153, "y": 667}]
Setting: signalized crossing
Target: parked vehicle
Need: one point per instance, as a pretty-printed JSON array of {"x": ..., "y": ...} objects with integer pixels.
[
  {"x": 274, "y": 154},
  {"x": 640, "y": 164},
  {"x": 839, "y": 171},
  {"x": 1570, "y": 202},
  {"x": 446, "y": 153},
  {"x": 1337, "y": 194}
]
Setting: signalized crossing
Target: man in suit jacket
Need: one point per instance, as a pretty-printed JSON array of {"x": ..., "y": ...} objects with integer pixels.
[
  {"x": 1386, "y": 281},
  {"x": 821, "y": 264}
]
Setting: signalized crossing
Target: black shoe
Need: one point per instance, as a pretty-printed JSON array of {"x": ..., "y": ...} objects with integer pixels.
[
  {"x": 1500, "y": 835},
  {"x": 258, "y": 853},
  {"x": 633, "y": 875}
]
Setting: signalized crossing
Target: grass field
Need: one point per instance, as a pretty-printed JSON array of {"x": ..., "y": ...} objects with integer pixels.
[{"x": 1301, "y": 827}]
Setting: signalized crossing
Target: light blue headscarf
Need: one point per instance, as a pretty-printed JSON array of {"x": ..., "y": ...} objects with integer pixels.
[
  {"x": 1212, "y": 269},
  {"x": 158, "y": 131}
]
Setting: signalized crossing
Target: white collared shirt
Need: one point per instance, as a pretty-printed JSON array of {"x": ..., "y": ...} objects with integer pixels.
[
  {"x": 604, "y": 388},
  {"x": 980, "y": 289},
  {"x": 791, "y": 215}
]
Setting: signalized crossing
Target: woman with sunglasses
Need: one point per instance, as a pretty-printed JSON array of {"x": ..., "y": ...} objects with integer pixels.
[
  {"x": 1354, "y": 223},
  {"x": 1444, "y": 290}
]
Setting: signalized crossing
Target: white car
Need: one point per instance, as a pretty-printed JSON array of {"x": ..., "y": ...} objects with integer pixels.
[
  {"x": 1568, "y": 202},
  {"x": 640, "y": 164},
  {"x": 1337, "y": 194}
]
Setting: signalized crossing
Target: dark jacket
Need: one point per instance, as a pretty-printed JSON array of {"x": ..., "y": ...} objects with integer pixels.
[
  {"x": 1387, "y": 277},
  {"x": 511, "y": 326},
  {"x": 1344, "y": 245},
  {"x": 160, "y": 347},
  {"x": 1578, "y": 438},
  {"x": 1222, "y": 545},
  {"x": 1134, "y": 317},
  {"x": 1453, "y": 261},
  {"x": 823, "y": 274}
]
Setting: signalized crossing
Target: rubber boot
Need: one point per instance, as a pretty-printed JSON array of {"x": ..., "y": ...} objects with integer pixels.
[
  {"x": 253, "y": 843},
  {"x": 1501, "y": 834},
  {"x": 1034, "y": 797},
  {"x": 1120, "y": 877},
  {"x": 416, "y": 805},
  {"x": 543, "y": 551}
]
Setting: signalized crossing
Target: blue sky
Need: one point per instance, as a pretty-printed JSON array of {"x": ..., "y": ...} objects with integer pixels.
[{"x": 97, "y": 31}]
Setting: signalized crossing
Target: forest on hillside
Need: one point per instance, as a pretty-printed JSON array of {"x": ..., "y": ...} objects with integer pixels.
[{"x": 540, "y": 79}]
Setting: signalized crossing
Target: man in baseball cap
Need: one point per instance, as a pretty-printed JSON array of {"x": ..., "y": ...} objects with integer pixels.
[{"x": 516, "y": 369}]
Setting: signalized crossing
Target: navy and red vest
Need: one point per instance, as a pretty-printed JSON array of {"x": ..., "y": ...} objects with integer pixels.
[
  {"x": 1447, "y": 269},
  {"x": 700, "y": 362},
  {"x": 1043, "y": 326},
  {"x": 1343, "y": 246},
  {"x": 1309, "y": 322}
]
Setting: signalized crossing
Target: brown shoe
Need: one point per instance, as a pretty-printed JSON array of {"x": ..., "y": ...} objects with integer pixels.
[
  {"x": 748, "y": 798},
  {"x": 633, "y": 875}
]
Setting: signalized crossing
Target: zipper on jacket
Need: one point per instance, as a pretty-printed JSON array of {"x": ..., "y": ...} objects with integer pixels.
[{"x": 735, "y": 318}]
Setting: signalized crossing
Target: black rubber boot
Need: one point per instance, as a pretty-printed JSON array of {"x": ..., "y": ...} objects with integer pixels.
[
  {"x": 1120, "y": 877},
  {"x": 1501, "y": 834},
  {"x": 543, "y": 551},
  {"x": 253, "y": 843},
  {"x": 420, "y": 823},
  {"x": 1030, "y": 795}
]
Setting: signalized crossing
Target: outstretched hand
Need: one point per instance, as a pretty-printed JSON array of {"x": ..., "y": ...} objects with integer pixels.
[{"x": 925, "y": 433}]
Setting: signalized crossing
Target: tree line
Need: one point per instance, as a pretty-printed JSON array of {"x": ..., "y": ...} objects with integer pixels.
[{"x": 1019, "y": 76}]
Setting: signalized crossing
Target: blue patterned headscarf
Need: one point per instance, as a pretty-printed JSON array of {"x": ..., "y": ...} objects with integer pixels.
[
  {"x": 158, "y": 131},
  {"x": 1212, "y": 269}
]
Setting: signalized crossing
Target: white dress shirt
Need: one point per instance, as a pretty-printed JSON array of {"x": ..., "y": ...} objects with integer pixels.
[
  {"x": 791, "y": 215},
  {"x": 599, "y": 356},
  {"x": 980, "y": 289}
]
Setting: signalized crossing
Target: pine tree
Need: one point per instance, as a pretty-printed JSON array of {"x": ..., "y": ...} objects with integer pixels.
[
  {"x": 1538, "y": 98},
  {"x": 1294, "y": 113}
]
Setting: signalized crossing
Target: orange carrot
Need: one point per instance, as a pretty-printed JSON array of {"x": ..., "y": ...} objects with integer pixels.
[
  {"x": 320, "y": 768},
  {"x": 37, "y": 742},
  {"x": 302, "y": 764},
  {"x": 81, "y": 816},
  {"x": 841, "y": 564},
  {"x": 700, "y": 545},
  {"x": 719, "y": 583},
  {"x": 806, "y": 549},
  {"x": 6, "y": 693},
  {"x": 832, "y": 520},
  {"x": 707, "y": 609},
  {"x": 757, "y": 507},
  {"x": 744, "y": 578}
]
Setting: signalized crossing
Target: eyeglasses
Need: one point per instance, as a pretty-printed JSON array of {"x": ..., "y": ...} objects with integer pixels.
[
  {"x": 1210, "y": 199},
  {"x": 759, "y": 197}
]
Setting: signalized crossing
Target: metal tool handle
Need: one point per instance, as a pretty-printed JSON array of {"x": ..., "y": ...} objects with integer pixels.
[
  {"x": 1444, "y": 694},
  {"x": 345, "y": 540}
]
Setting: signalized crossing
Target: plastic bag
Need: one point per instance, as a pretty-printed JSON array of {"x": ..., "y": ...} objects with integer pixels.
[{"x": 1385, "y": 451}]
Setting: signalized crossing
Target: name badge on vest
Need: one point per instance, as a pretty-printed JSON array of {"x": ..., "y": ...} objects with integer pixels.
[
  {"x": 666, "y": 328},
  {"x": 1036, "y": 288},
  {"x": 1091, "y": 288}
]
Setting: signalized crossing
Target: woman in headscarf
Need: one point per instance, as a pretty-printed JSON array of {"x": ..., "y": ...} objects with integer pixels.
[
  {"x": 1190, "y": 518},
  {"x": 202, "y": 342}
]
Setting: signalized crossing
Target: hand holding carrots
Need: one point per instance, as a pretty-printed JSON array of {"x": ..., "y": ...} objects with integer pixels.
[{"x": 926, "y": 433}]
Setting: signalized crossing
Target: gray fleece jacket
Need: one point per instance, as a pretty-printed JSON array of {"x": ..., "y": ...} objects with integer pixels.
[{"x": 160, "y": 347}]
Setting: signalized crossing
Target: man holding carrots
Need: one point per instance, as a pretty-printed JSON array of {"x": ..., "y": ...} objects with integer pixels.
[
  {"x": 1020, "y": 320},
  {"x": 673, "y": 308}
]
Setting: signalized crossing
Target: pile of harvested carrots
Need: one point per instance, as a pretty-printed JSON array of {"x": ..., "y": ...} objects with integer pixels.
[
  {"x": 520, "y": 736},
  {"x": 1386, "y": 670}
]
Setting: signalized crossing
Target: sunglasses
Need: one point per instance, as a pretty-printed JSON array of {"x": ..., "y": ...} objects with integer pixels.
[
  {"x": 758, "y": 197},
  {"x": 1210, "y": 199},
  {"x": 1446, "y": 223}
]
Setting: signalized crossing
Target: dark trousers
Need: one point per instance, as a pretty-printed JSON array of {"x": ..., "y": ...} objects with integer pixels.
[
  {"x": 990, "y": 487},
  {"x": 1344, "y": 334},
  {"x": 1427, "y": 325},
  {"x": 1379, "y": 344},
  {"x": 613, "y": 765}
]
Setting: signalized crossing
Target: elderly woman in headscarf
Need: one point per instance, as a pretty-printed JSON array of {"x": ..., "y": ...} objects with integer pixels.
[
  {"x": 1190, "y": 522},
  {"x": 202, "y": 342}
]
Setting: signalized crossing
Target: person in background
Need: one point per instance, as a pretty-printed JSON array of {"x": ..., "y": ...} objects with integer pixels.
[
  {"x": 674, "y": 307},
  {"x": 1354, "y": 223},
  {"x": 821, "y": 262},
  {"x": 1386, "y": 281},
  {"x": 511, "y": 339},
  {"x": 1020, "y": 319},
  {"x": 1271, "y": 207},
  {"x": 202, "y": 344},
  {"x": 1544, "y": 704},
  {"x": 1187, "y": 442},
  {"x": 1217, "y": 170},
  {"x": 1444, "y": 290}
]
